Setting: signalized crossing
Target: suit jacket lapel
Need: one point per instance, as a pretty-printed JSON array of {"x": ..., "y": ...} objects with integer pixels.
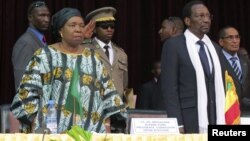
[
  {"x": 115, "y": 51},
  {"x": 244, "y": 68},
  {"x": 33, "y": 35},
  {"x": 230, "y": 69},
  {"x": 99, "y": 50}
]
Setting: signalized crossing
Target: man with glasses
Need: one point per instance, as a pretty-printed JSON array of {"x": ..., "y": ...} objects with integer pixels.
[
  {"x": 191, "y": 79},
  {"x": 32, "y": 39},
  {"x": 171, "y": 27},
  {"x": 236, "y": 64}
]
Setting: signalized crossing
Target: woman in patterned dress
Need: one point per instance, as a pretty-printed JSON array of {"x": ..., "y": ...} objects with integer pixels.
[{"x": 49, "y": 76}]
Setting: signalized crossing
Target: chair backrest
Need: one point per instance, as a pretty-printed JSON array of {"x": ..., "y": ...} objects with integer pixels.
[
  {"x": 13, "y": 123},
  {"x": 130, "y": 98},
  {"x": 9, "y": 124},
  {"x": 4, "y": 110},
  {"x": 135, "y": 113}
]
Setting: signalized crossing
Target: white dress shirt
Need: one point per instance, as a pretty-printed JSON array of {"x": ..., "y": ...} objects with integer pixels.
[{"x": 110, "y": 49}]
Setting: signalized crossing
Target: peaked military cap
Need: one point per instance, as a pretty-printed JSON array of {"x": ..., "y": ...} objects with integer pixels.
[{"x": 102, "y": 14}]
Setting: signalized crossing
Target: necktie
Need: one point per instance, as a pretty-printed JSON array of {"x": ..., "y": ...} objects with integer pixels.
[
  {"x": 204, "y": 58},
  {"x": 44, "y": 40},
  {"x": 106, "y": 47},
  {"x": 236, "y": 67}
]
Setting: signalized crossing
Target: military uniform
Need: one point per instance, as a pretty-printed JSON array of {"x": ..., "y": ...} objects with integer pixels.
[
  {"x": 113, "y": 57},
  {"x": 118, "y": 69}
]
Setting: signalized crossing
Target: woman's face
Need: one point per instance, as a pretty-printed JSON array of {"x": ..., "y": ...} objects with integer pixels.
[{"x": 72, "y": 31}]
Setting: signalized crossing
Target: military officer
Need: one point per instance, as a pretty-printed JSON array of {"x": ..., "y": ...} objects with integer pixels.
[{"x": 113, "y": 57}]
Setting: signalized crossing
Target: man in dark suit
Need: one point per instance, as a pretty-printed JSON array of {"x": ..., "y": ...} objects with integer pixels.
[
  {"x": 31, "y": 40},
  {"x": 191, "y": 81},
  {"x": 229, "y": 40},
  {"x": 148, "y": 97}
]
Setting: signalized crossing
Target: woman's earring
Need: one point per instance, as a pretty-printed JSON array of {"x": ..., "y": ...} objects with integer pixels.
[{"x": 61, "y": 35}]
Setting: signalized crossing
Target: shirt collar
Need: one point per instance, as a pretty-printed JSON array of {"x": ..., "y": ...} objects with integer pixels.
[
  {"x": 155, "y": 79},
  {"x": 38, "y": 34},
  {"x": 195, "y": 38},
  {"x": 102, "y": 44},
  {"x": 229, "y": 56}
]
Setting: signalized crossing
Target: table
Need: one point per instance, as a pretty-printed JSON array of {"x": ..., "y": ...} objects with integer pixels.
[{"x": 104, "y": 137}]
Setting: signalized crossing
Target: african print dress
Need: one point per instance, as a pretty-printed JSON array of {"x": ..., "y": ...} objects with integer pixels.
[{"x": 48, "y": 76}]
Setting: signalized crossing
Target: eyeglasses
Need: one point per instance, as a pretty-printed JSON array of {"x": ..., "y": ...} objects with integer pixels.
[
  {"x": 35, "y": 5},
  {"x": 38, "y": 4},
  {"x": 231, "y": 37},
  {"x": 106, "y": 26},
  {"x": 203, "y": 16}
]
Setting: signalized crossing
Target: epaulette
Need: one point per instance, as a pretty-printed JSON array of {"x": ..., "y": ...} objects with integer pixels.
[
  {"x": 118, "y": 47},
  {"x": 121, "y": 49},
  {"x": 87, "y": 41}
]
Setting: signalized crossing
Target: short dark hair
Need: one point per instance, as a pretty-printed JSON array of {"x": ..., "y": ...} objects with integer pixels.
[
  {"x": 34, "y": 5},
  {"x": 186, "y": 12},
  {"x": 178, "y": 23},
  {"x": 222, "y": 32}
]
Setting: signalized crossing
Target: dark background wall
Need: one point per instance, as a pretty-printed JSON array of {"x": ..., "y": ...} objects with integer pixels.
[{"x": 138, "y": 22}]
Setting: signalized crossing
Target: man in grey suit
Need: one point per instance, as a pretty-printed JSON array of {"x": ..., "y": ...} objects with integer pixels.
[
  {"x": 31, "y": 40},
  {"x": 229, "y": 40},
  {"x": 191, "y": 80},
  {"x": 113, "y": 57}
]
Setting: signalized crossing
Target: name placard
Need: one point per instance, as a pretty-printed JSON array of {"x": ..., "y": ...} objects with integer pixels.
[
  {"x": 154, "y": 126},
  {"x": 245, "y": 120}
]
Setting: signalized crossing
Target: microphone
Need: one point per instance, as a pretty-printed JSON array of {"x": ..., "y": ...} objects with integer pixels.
[
  {"x": 46, "y": 131},
  {"x": 43, "y": 130}
]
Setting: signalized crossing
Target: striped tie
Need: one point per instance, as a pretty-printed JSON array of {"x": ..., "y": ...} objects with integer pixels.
[{"x": 236, "y": 67}]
